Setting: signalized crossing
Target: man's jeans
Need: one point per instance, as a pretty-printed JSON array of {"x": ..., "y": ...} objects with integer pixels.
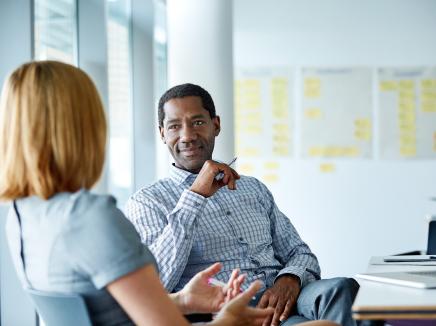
[{"x": 329, "y": 299}]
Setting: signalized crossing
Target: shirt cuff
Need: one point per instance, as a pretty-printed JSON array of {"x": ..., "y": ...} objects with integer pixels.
[
  {"x": 191, "y": 202},
  {"x": 304, "y": 275}
]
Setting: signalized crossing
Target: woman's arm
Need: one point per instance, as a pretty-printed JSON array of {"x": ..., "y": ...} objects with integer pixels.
[{"x": 145, "y": 300}]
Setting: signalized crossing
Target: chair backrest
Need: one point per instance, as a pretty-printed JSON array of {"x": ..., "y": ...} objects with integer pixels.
[{"x": 60, "y": 309}]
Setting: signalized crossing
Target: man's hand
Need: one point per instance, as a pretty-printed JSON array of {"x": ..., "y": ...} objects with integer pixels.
[
  {"x": 206, "y": 184},
  {"x": 282, "y": 297}
]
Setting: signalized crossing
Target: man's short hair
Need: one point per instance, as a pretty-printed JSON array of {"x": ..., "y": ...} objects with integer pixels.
[{"x": 185, "y": 90}]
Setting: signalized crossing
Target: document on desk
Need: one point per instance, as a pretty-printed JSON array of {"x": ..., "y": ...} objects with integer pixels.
[{"x": 410, "y": 260}]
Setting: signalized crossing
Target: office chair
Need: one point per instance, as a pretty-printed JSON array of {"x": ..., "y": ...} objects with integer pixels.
[{"x": 60, "y": 309}]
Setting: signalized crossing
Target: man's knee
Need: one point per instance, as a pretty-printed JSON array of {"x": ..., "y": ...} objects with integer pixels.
[
  {"x": 344, "y": 283},
  {"x": 329, "y": 290},
  {"x": 342, "y": 286}
]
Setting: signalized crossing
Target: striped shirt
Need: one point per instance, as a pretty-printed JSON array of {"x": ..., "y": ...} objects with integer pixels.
[{"x": 240, "y": 228}]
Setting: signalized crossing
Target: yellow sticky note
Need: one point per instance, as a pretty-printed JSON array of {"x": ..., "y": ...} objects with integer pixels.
[
  {"x": 407, "y": 140},
  {"x": 253, "y": 84},
  {"x": 270, "y": 178},
  {"x": 408, "y": 151},
  {"x": 252, "y": 103},
  {"x": 406, "y": 91},
  {"x": 351, "y": 151},
  {"x": 332, "y": 151},
  {"x": 406, "y": 106},
  {"x": 280, "y": 138},
  {"x": 280, "y": 127},
  {"x": 362, "y": 135},
  {"x": 316, "y": 151},
  {"x": 434, "y": 141},
  {"x": 271, "y": 165},
  {"x": 428, "y": 96},
  {"x": 327, "y": 168},
  {"x": 428, "y": 107},
  {"x": 428, "y": 83},
  {"x": 280, "y": 150},
  {"x": 253, "y": 118},
  {"x": 406, "y": 84},
  {"x": 246, "y": 168},
  {"x": 407, "y": 117},
  {"x": 388, "y": 85},
  {"x": 312, "y": 87},
  {"x": 364, "y": 123},
  {"x": 407, "y": 127},
  {"x": 312, "y": 113}
]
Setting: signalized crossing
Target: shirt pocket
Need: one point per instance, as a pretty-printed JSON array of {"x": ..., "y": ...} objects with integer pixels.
[{"x": 250, "y": 220}]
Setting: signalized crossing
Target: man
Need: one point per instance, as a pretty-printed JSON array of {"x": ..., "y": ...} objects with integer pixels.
[{"x": 205, "y": 213}]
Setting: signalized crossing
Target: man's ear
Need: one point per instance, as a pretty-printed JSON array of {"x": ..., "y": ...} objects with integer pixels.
[
  {"x": 217, "y": 124},
  {"x": 162, "y": 135}
]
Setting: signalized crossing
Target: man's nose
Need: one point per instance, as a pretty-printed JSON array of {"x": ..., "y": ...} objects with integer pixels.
[{"x": 187, "y": 134}]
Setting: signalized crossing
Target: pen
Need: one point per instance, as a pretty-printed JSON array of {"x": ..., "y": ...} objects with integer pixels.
[
  {"x": 215, "y": 282},
  {"x": 220, "y": 175},
  {"x": 232, "y": 161}
]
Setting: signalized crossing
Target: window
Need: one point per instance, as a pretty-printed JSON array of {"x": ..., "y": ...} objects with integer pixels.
[
  {"x": 55, "y": 30},
  {"x": 163, "y": 158},
  {"x": 120, "y": 166}
]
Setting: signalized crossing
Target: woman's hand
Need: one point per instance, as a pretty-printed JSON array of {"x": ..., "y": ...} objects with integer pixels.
[
  {"x": 237, "y": 313},
  {"x": 198, "y": 296}
]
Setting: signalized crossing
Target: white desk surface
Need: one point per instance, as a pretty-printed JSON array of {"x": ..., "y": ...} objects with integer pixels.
[{"x": 393, "y": 301}]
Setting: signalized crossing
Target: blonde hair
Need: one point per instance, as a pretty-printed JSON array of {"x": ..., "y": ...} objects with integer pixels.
[{"x": 52, "y": 131}]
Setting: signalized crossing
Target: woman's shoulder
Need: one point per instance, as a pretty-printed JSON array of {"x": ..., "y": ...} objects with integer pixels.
[{"x": 91, "y": 208}]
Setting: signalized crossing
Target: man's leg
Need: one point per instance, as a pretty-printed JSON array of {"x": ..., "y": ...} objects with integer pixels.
[{"x": 329, "y": 299}]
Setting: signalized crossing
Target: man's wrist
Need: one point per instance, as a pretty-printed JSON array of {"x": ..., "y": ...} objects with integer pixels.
[{"x": 289, "y": 277}]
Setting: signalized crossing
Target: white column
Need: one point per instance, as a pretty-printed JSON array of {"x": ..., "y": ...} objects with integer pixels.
[
  {"x": 200, "y": 51},
  {"x": 16, "y": 27}
]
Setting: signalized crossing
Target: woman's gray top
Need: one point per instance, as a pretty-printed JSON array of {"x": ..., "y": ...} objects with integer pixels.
[{"x": 76, "y": 243}]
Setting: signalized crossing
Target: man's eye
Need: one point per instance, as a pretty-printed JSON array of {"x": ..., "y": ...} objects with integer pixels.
[
  {"x": 198, "y": 123},
  {"x": 172, "y": 127}
]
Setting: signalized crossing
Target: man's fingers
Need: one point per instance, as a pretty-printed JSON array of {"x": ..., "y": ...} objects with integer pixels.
[
  {"x": 263, "y": 302},
  {"x": 236, "y": 174},
  {"x": 280, "y": 306},
  {"x": 287, "y": 311}
]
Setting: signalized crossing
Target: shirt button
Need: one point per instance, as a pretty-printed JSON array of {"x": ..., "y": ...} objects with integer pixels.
[
  {"x": 228, "y": 213},
  {"x": 241, "y": 239}
]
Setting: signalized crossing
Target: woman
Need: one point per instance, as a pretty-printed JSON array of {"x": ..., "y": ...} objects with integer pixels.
[{"x": 64, "y": 238}]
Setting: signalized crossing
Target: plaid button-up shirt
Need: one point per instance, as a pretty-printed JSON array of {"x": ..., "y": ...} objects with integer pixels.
[{"x": 240, "y": 228}]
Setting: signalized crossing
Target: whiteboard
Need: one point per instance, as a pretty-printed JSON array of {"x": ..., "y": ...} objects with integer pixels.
[{"x": 347, "y": 210}]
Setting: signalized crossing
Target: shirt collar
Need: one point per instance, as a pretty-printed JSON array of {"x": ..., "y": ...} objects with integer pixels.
[{"x": 180, "y": 176}]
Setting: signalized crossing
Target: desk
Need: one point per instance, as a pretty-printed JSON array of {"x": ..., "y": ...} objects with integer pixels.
[{"x": 382, "y": 301}]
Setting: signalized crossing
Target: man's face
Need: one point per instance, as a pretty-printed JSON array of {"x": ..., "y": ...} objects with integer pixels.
[{"x": 189, "y": 132}]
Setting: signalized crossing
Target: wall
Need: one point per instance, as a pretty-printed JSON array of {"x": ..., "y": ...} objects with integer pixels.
[{"x": 366, "y": 207}]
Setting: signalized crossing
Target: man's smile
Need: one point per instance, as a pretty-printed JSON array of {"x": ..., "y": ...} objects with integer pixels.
[{"x": 191, "y": 151}]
